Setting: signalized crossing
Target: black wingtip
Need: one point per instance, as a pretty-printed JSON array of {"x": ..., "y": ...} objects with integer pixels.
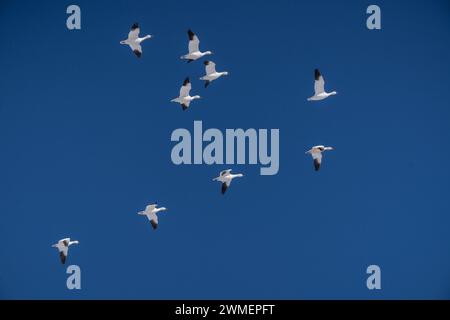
[
  {"x": 62, "y": 258},
  {"x": 186, "y": 81},
  {"x": 316, "y": 74},
  {"x": 207, "y": 83},
  {"x": 191, "y": 34},
  {"x": 184, "y": 107},
  {"x": 316, "y": 165},
  {"x": 135, "y": 26},
  {"x": 206, "y": 62},
  {"x": 137, "y": 53},
  {"x": 224, "y": 187}
]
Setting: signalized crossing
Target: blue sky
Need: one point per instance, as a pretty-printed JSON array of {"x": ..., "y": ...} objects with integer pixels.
[{"x": 85, "y": 144}]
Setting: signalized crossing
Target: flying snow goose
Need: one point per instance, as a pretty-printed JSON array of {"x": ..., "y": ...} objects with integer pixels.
[
  {"x": 184, "y": 98},
  {"x": 316, "y": 153},
  {"x": 194, "y": 51},
  {"x": 63, "y": 248},
  {"x": 319, "y": 88},
  {"x": 211, "y": 73},
  {"x": 134, "y": 41},
  {"x": 226, "y": 177},
  {"x": 150, "y": 211}
]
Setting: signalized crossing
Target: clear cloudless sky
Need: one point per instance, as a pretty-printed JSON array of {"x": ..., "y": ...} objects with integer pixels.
[{"x": 85, "y": 144}]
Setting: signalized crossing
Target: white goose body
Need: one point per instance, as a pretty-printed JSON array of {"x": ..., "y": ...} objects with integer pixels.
[
  {"x": 226, "y": 177},
  {"x": 319, "y": 88},
  {"x": 184, "y": 99},
  {"x": 211, "y": 73},
  {"x": 63, "y": 248},
  {"x": 194, "y": 50},
  {"x": 134, "y": 41},
  {"x": 151, "y": 212},
  {"x": 316, "y": 153}
]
